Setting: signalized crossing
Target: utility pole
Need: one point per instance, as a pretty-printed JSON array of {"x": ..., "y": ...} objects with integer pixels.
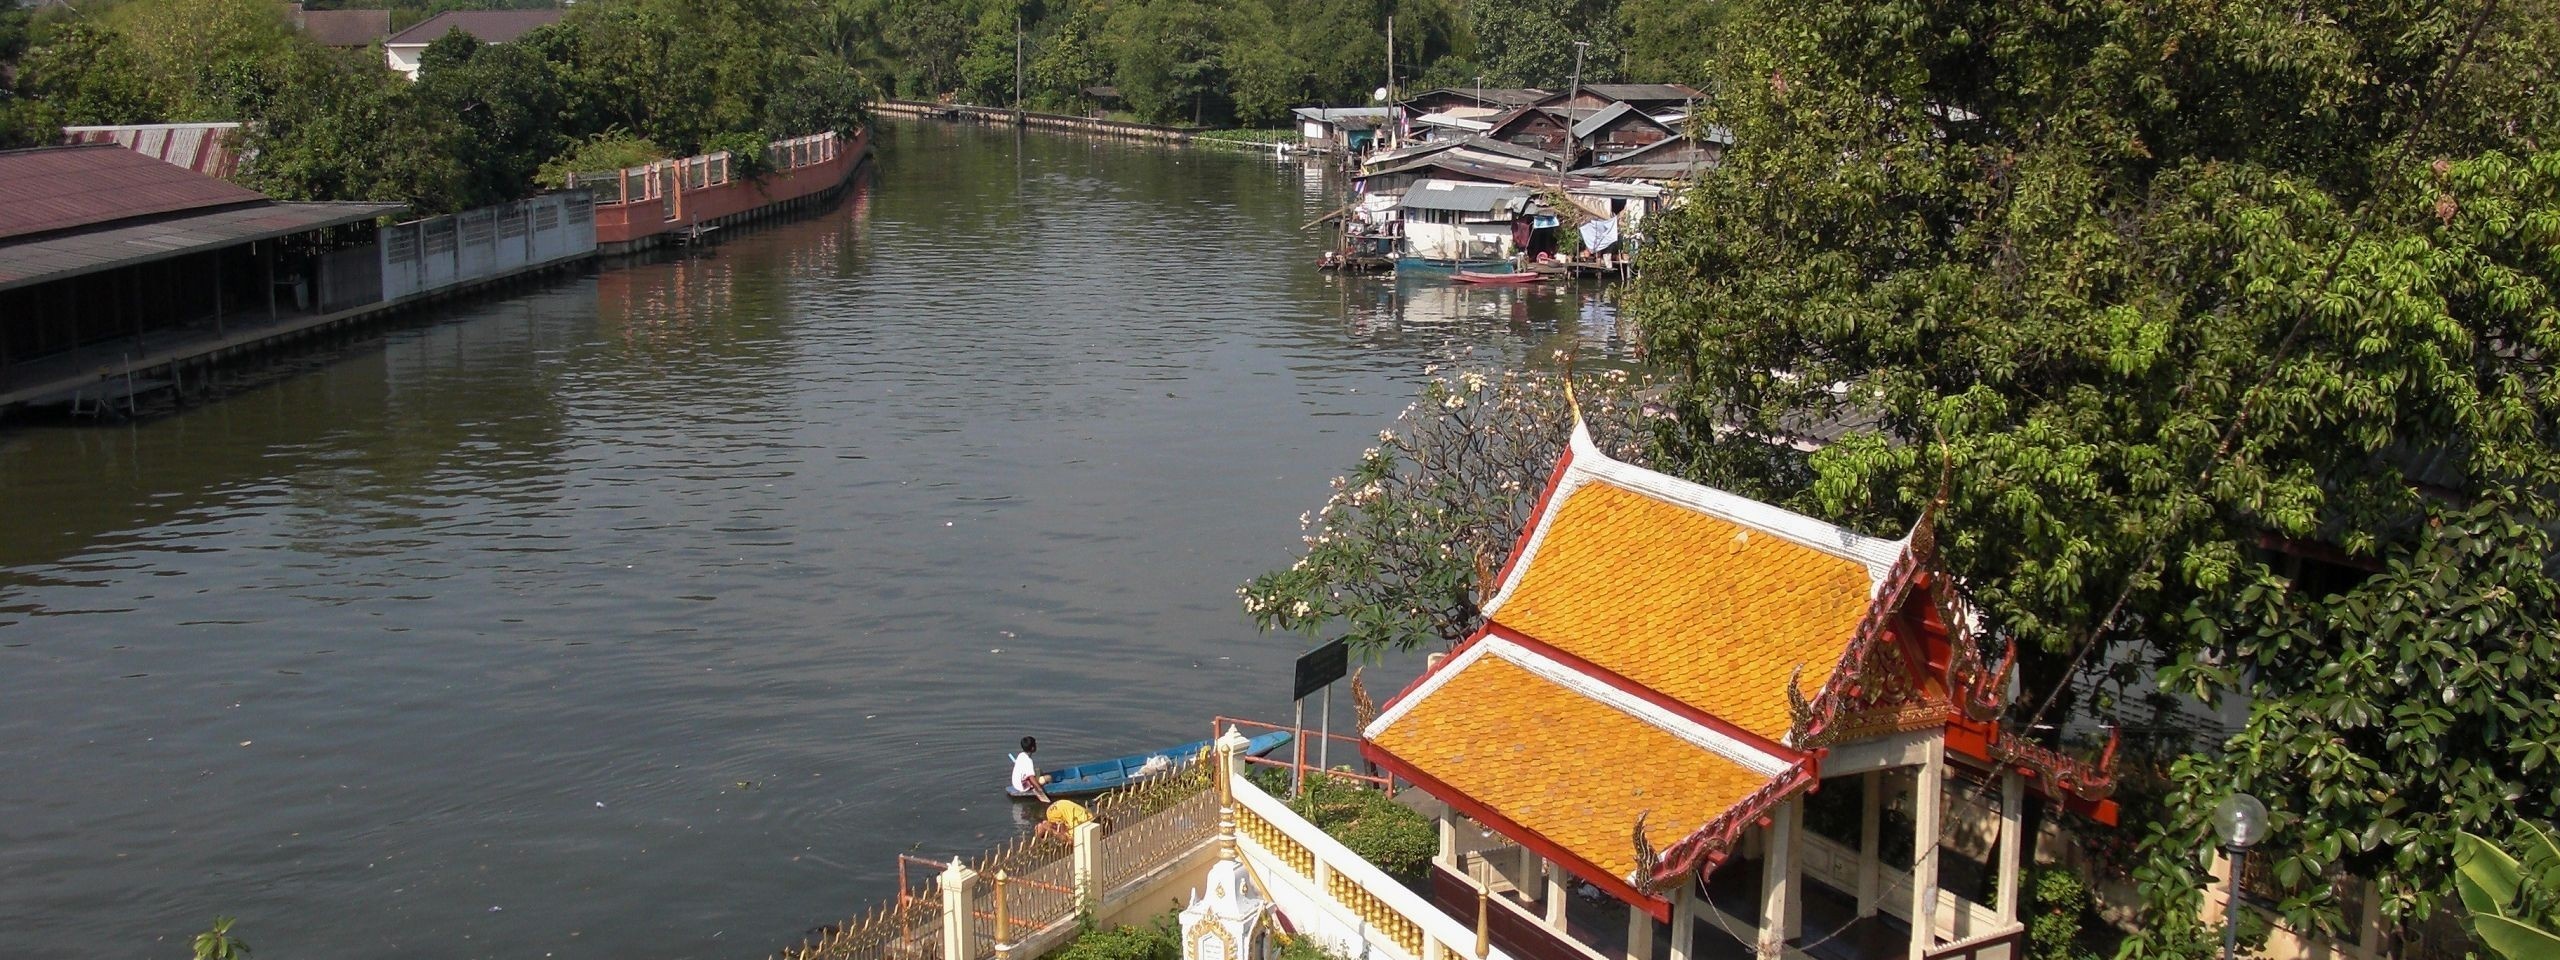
[
  {"x": 1017, "y": 66},
  {"x": 1393, "y": 139},
  {"x": 1572, "y": 148}
]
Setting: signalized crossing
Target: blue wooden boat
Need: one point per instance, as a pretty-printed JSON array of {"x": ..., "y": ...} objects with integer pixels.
[{"x": 1087, "y": 779}]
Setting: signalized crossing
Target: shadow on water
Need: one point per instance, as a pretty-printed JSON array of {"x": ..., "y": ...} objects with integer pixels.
[{"x": 458, "y": 646}]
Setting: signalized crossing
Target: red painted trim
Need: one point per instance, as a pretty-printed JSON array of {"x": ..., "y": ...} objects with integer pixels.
[
  {"x": 1650, "y": 695},
  {"x": 1618, "y": 887}
]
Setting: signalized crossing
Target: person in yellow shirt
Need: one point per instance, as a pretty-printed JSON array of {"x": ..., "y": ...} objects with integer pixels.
[{"x": 1062, "y": 820}]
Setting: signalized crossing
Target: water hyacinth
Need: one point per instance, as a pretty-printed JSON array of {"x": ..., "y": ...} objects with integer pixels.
[{"x": 1393, "y": 555}]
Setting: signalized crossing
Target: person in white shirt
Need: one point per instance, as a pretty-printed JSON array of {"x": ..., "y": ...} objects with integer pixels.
[{"x": 1027, "y": 778}]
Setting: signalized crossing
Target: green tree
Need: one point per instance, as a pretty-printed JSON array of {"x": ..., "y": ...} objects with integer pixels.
[
  {"x": 1529, "y": 43},
  {"x": 507, "y": 99},
  {"x": 1666, "y": 40},
  {"x": 2227, "y": 329},
  {"x": 1393, "y": 557},
  {"x": 986, "y": 74},
  {"x": 1068, "y": 59},
  {"x": 1170, "y": 67},
  {"x": 84, "y": 74}
]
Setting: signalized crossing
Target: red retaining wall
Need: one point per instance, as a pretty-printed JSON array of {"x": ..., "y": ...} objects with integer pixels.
[{"x": 624, "y": 225}]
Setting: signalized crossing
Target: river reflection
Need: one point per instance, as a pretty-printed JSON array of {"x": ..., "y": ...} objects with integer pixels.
[{"x": 462, "y": 642}]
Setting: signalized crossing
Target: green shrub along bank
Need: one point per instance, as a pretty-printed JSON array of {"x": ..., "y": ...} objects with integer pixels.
[
  {"x": 1390, "y": 835},
  {"x": 616, "y": 81},
  {"x": 1158, "y": 940}
]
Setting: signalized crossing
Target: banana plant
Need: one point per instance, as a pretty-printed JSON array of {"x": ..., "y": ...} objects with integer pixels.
[{"x": 2514, "y": 901}]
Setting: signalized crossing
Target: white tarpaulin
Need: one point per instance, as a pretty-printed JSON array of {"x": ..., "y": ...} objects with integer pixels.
[{"x": 1600, "y": 235}]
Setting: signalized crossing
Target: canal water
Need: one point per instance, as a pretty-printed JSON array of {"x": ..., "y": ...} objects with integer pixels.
[{"x": 653, "y": 612}]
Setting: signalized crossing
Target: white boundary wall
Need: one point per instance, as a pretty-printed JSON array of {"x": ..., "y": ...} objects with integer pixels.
[
  {"x": 1382, "y": 920},
  {"x": 424, "y": 256}
]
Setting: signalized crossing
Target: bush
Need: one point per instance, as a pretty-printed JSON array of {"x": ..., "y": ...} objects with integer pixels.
[
  {"x": 607, "y": 151},
  {"x": 1160, "y": 940},
  {"x": 2061, "y": 902},
  {"x": 1390, "y": 835},
  {"x": 747, "y": 160}
]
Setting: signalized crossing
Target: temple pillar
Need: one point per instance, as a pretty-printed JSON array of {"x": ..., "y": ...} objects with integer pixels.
[
  {"x": 1927, "y": 797},
  {"x": 1870, "y": 835},
  {"x": 1448, "y": 858},
  {"x": 1684, "y": 919},
  {"x": 1532, "y": 872},
  {"x": 2013, "y": 795},
  {"x": 1791, "y": 815},
  {"x": 1777, "y": 885},
  {"x": 1639, "y": 934},
  {"x": 1556, "y": 898}
]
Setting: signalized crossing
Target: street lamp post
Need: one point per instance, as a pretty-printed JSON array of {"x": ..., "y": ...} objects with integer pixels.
[{"x": 2240, "y": 822}]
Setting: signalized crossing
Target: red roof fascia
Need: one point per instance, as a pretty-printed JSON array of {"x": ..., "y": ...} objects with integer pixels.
[
  {"x": 1618, "y": 887},
  {"x": 1650, "y": 695},
  {"x": 1707, "y": 847}
]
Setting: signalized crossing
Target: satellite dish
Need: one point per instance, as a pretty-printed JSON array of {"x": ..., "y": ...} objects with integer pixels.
[{"x": 1379, "y": 95}]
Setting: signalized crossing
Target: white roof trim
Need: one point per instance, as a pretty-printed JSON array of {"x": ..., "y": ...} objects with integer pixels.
[
  {"x": 1589, "y": 464},
  {"x": 1592, "y": 688}
]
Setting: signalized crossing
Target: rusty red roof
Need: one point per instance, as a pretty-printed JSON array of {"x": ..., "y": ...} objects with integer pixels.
[
  {"x": 60, "y": 188},
  {"x": 346, "y": 28},
  {"x": 487, "y": 26}
]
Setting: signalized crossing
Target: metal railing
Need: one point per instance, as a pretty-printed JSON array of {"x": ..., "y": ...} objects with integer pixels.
[
  {"x": 653, "y": 180},
  {"x": 1031, "y": 885}
]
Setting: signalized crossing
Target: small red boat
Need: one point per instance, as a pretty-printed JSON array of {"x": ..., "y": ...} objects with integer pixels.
[{"x": 1521, "y": 276}]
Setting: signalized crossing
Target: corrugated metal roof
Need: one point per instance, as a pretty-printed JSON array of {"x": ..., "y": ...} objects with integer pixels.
[
  {"x": 1463, "y": 197},
  {"x": 487, "y": 26},
  {"x": 1596, "y": 122},
  {"x": 205, "y": 148},
  {"x": 61, "y": 188},
  {"x": 36, "y": 261},
  {"x": 1645, "y": 91}
]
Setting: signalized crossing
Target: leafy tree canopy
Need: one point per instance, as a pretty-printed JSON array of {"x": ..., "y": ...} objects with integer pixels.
[{"x": 2228, "y": 330}]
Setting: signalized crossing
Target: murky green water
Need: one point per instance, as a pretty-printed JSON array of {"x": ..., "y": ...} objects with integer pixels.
[{"x": 461, "y": 646}]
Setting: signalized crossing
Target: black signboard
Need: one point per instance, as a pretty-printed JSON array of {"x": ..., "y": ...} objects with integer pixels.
[{"x": 1320, "y": 667}]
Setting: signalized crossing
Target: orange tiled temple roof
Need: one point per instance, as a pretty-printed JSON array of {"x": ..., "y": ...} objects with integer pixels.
[
  {"x": 1495, "y": 731},
  {"x": 1699, "y": 608}
]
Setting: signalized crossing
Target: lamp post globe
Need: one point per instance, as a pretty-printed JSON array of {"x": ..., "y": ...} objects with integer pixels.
[{"x": 2240, "y": 821}]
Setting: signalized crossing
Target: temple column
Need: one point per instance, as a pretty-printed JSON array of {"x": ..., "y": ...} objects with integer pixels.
[
  {"x": 1684, "y": 919},
  {"x": 2013, "y": 796},
  {"x": 1870, "y": 835},
  {"x": 1448, "y": 858},
  {"x": 1531, "y": 873},
  {"x": 1777, "y": 884},
  {"x": 1927, "y": 796},
  {"x": 1639, "y": 933},
  {"x": 1792, "y": 816},
  {"x": 1556, "y": 898}
]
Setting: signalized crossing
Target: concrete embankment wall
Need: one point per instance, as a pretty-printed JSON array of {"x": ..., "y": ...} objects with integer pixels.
[
  {"x": 1088, "y": 126},
  {"x": 416, "y": 264}
]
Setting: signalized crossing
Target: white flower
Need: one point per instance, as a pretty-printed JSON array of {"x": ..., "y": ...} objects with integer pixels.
[
  {"x": 1301, "y": 609},
  {"x": 1474, "y": 381},
  {"x": 1455, "y": 401},
  {"x": 1386, "y": 436}
]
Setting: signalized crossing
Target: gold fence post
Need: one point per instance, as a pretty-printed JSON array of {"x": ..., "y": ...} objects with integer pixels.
[{"x": 1004, "y": 933}]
